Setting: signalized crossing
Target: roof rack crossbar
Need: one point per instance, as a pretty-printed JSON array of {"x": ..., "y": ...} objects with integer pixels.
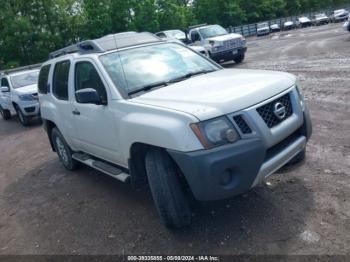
[
  {"x": 107, "y": 43},
  {"x": 196, "y": 26}
]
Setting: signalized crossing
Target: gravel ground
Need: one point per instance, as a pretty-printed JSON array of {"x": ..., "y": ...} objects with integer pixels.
[{"x": 304, "y": 210}]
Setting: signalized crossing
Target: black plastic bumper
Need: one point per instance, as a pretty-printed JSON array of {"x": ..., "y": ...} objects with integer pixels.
[
  {"x": 228, "y": 170},
  {"x": 228, "y": 55}
]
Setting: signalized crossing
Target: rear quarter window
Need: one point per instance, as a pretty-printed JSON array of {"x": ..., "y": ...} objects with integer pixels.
[
  {"x": 43, "y": 79},
  {"x": 60, "y": 80}
]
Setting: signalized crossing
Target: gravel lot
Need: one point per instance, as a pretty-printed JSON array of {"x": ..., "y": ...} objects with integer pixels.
[{"x": 304, "y": 210}]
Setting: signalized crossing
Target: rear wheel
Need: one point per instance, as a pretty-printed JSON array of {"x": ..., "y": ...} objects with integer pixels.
[
  {"x": 168, "y": 195},
  {"x": 63, "y": 150},
  {"x": 239, "y": 59},
  {"x": 5, "y": 114}
]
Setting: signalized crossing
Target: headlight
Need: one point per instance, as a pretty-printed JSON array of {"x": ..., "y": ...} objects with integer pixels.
[
  {"x": 243, "y": 41},
  {"x": 301, "y": 97},
  {"x": 26, "y": 97},
  {"x": 215, "y": 132}
]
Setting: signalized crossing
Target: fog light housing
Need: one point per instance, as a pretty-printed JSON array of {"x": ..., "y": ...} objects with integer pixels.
[{"x": 226, "y": 177}]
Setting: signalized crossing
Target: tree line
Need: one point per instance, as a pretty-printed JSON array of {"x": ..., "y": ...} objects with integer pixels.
[{"x": 30, "y": 29}]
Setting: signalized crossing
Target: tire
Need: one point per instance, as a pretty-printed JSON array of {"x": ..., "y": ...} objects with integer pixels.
[
  {"x": 239, "y": 59},
  {"x": 63, "y": 150},
  {"x": 6, "y": 114},
  {"x": 171, "y": 202},
  {"x": 24, "y": 120},
  {"x": 298, "y": 158}
]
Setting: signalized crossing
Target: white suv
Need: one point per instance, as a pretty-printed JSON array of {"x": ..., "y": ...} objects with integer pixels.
[
  {"x": 19, "y": 93},
  {"x": 147, "y": 111}
]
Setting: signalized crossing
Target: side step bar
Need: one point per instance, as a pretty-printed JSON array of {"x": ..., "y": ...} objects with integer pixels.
[{"x": 102, "y": 166}]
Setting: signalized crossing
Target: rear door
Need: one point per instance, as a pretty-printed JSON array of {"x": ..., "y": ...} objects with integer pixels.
[
  {"x": 95, "y": 126},
  {"x": 60, "y": 105}
]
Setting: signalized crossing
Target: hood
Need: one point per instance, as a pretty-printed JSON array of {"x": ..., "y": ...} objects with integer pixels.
[
  {"x": 304, "y": 20},
  {"x": 219, "y": 93},
  {"x": 321, "y": 18},
  {"x": 197, "y": 48},
  {"x": 223, "y": 38},
  {"x": 27, "y": 89},
  {"x": 263, "y": 28}
]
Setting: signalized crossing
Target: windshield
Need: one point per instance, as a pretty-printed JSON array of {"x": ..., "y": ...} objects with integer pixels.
[
  {"x": 136, "y": 68},
  {"x": 212, "y": 31},
  {"x": 25, "y": 79},
  {"x": 177, "y": 34},
  {"x": 263, "y": 25}
]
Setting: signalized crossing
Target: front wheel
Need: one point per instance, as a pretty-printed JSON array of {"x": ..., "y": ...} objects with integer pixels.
[
  {"x": 24, "y": 120},
  {"x": 170, "y": 200},
  {"x": 239, "y": 59},
  {"x": 63, "y": 150}
]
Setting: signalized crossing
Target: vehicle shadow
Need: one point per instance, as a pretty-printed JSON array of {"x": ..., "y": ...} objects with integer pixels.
[
  {"x": 267, "y": 219},
  {"x": 13, "y": 126}
]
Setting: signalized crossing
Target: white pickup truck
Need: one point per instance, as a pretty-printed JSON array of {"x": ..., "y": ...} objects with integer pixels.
[
  {"x": 152, "y": 112},
  {"x": 19, "y": 93},
  {"x": 220, "y": 45}
]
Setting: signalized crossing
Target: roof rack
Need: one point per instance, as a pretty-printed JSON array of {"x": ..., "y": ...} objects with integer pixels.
[
  {"x": 107, "y": 43},
  {"x": 19, "y": 69},
  {"x": 196, "y": 26}
]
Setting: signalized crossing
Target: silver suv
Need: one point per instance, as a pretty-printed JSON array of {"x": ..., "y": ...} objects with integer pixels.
[{"x": 148, "y": 111}]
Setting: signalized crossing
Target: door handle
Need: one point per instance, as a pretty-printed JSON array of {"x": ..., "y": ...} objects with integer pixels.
[{"x": 76, "y": 112}]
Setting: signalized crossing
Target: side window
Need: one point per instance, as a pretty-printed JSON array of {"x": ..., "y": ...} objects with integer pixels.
[
  {"x": 43, "y": 79},
  {"x": 60, "y": 80},
  {"x": 194, "y": 36},
  {"x": 86, "y": 76},
  {"x": 4, "y": 82}
]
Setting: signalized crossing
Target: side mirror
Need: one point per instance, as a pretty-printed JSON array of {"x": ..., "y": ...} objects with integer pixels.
[
  {"x": 5, "y": 89},
  {"x": 88, "y": 96}
]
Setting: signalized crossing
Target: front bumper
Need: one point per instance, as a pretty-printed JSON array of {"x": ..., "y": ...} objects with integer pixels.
[
  {"x": 228, "y": 55},
  {"x": 233, "y": 169},
  {"x": 30, "y": 108}
]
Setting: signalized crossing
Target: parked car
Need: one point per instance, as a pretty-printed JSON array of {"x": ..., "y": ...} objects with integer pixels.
[
  {"x": 289, "y": 25},
  {"x": 275, "y": 28},
  {"x": 19, "y": 94},
  {"x": 347, "y": 25},
  {"x": 304, "y": 21},
  {"x": 221, "y": 45},
  {"x": 263, "y": 29},
  {"x": 339, "y": 15},
  {"x": 180, "y": 36},
  {"x": 147, "y": 111},
  {"x": 320, "y": 19}
]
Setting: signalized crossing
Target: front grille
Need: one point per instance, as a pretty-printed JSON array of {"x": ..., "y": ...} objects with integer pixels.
[
  {"x": 234, "y": 43},
  {"x": 276, "y": 149},
  {"x": 242, "y": 124},
  {"x": 267, "y": 111},
  {"x": 30, "y": 109}
]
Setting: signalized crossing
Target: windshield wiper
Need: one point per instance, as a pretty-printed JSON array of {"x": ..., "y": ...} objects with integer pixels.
[
  {"x": 172, "y": 81},
  {"x": 148, "y": 87},
  {"x": 189, "y": 75}
]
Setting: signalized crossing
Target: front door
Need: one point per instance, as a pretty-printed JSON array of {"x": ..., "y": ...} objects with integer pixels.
[
  {"x": 6, "y": 96},
  {"x": 95, "y": 126}
]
